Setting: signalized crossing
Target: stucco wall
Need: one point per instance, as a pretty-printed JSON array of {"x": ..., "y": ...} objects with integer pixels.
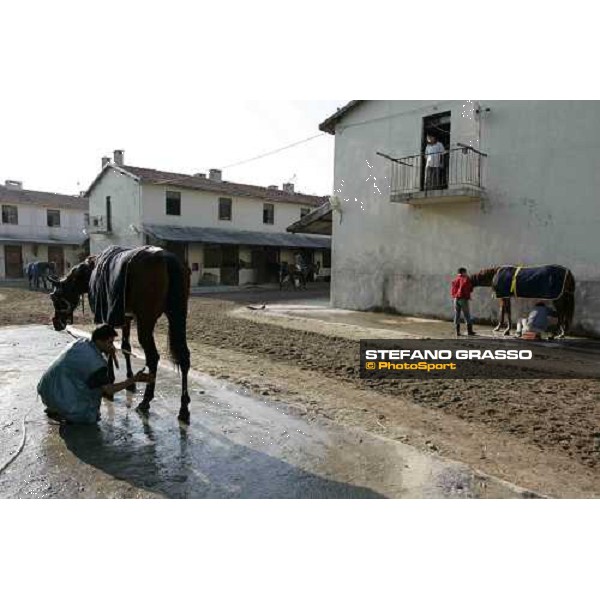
[
  {"x": 124, "y": 193},
  {"x": 201, "y": 209},
  {"x": 543, "y": 205}
]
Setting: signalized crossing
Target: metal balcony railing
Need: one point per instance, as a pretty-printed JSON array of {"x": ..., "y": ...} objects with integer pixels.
[{"x": 461, "y": 167}]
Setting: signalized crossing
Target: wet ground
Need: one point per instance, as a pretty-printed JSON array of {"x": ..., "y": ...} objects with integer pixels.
[{"x": 237, "y": 446}]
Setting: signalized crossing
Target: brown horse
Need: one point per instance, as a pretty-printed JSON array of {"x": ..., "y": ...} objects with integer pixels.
[
  {"x": 564, "y": 305},
  {"x": 156, "y": 283}
]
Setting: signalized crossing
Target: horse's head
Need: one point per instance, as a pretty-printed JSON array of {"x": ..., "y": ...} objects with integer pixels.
[
  {"x": 67, "y": 291},
  {"x": 483, "y": 278}
]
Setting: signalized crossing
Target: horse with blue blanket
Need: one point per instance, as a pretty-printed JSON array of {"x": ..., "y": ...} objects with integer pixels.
[
  {"x": 546, "y": 282},
  {"x": 124, "y": 284}
]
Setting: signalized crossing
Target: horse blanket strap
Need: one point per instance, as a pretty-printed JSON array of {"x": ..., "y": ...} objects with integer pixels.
[
  {"x": 545, "y": 282},
  {"x": 108, "y": 284},
  {"x": 513, "y": 284}
]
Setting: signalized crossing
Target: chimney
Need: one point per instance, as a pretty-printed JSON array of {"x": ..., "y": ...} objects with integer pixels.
[
  {"x": 200, "y": 175},
  {"x": 119, "y": 157},
  {"x": 273, "y": 187},
  {"x": 288, "y": 187},
  {"x": 214, "y": 175},
  {"x": 14, "y": 184},
  {"x": 105, "y": 161}
]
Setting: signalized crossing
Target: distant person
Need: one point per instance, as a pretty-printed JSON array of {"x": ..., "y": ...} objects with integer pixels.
[
  {"x": 460, "y": 290},
  {"x": 537, "y": 321},
  {"x": 73, "y": 385},
  {"x": 434, "y": 163}
]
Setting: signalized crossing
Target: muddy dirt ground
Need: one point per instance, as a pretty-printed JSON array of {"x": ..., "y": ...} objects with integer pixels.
[{"x": 543, "y": 435}]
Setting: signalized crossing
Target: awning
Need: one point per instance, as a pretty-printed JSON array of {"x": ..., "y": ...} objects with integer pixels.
[
  {"x": 21, "y": 239},
  {"x": 317, "y": 221},
  {"x": 213, "y": 235}
]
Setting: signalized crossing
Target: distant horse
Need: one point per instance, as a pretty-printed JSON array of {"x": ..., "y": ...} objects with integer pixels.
[
  {"x": 155, "y": 282},
  {"x": 39, "y": 271},
  {"x": 548, "y": 282},
  {"x": 295, "y": 276}
]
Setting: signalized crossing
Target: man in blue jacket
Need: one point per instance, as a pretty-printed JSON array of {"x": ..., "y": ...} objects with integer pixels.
[{"x": 73, "y": 385}]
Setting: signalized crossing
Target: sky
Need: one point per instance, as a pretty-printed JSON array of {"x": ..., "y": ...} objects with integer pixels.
[{"x": 58, "y": 146}]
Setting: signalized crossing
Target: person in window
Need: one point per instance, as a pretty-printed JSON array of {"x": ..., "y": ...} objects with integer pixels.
[
  {"x": 434, "y": 163},
  {"x": 73, "y": 385},
  {"x": 460, "y": 290}
]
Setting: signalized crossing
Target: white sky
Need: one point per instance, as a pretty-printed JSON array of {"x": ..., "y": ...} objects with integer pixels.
[{"x": 186, "y": 134}]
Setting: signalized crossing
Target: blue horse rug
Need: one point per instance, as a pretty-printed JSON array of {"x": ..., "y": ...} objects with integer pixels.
[{"x": 546, "y": 282}]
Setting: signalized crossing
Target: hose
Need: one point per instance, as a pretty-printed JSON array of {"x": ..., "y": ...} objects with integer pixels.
[{"x": 21, "y": 445}]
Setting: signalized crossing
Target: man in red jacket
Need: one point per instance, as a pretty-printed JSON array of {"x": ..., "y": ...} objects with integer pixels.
[{"x": 461, "y": 294}]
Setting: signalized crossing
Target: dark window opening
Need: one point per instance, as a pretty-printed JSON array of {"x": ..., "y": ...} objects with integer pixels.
[
  {"x": 269, "y": 214},
  {"x": 173, "y": 203},
  {"x": 10, "y": 215},
  {"x": 327, "y": 259},
  {"x": 224, "y": 209},
  {"x": 434, "y": 166},
  {"x": 304, "y": 212},
  {"x": 108, "y": 214},
  {"x": 86, "y": 219},
  {"x": 53, "y": 218},
  {"x": 213, "y": 257}
]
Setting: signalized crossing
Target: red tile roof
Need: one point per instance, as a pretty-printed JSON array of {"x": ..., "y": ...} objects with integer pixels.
[
  {"x": 152, "y": 176},
  {"x": 15, "y": 195}
]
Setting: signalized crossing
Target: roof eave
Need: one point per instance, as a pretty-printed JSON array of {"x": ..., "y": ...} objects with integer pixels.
[
  {"x": 107, "y": 167},
  {"x": 328, "y": 125}
]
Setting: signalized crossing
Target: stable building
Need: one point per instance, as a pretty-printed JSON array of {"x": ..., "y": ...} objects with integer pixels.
[
  {"x": 40, "y": 226},
  {"x": 228, "y": 233},
  {"x": 519, "y": 185}
]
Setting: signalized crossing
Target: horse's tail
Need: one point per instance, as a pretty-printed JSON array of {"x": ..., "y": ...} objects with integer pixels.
[
  {"x": 569, "y": 299},
  {"x": 176, "y": 310}
]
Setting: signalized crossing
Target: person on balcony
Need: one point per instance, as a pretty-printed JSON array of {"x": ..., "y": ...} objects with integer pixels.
[{"x": 434, "y": 163}]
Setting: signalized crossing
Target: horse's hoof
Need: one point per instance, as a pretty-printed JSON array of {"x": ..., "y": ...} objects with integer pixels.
[
  {"x": 184, "y": 416},
  {"x": 497, "y": 328},
  {"x": 506, "y": 332}
]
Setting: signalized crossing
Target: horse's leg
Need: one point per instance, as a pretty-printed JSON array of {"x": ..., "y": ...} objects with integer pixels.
[
  {"x": 126, "y": 348},
  {"x": 111, "y": 377},
  {"x": 145, "y": 331},
  {"x": 507, "y": 304},
  {"x": 500, "y": 316}
]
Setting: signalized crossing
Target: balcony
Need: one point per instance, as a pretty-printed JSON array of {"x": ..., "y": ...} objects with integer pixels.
[{"x": 458, "y": 181}]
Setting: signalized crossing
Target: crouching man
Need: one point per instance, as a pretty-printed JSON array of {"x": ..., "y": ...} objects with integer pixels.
[
  {"x": 73, "y": 385},
  {"x": 539, "y": 321}
]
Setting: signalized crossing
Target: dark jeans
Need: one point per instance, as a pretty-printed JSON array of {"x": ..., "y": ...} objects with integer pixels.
[
  {"x": 462, "y": 306},
  {"x": 434, "y": 178}
]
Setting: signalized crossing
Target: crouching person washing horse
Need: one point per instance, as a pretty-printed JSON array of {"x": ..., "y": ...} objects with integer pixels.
[
  {"x": 138, "y": 284},
  {"x": 73, "y": 385}
]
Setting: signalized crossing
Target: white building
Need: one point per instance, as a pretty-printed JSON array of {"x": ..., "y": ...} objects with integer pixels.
[
  {"x": 228, "y": 233},
  {"x": 521, "y": 186},
  {"x": 40, "y": 226}
]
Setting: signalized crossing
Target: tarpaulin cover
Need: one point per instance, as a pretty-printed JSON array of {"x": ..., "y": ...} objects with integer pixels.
[
  {"x": 63, "y": 387},
  {"x": 107, "y": 285},
  {"x": 546, "y": 282}
]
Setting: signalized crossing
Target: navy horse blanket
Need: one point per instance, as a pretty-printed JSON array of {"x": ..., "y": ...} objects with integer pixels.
[
  {"x": 108, "y": 285},
  {"x": 546, "y": 282}
]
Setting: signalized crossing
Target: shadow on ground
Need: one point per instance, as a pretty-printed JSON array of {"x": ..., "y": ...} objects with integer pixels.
[{"x": 173, "y": 463}]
